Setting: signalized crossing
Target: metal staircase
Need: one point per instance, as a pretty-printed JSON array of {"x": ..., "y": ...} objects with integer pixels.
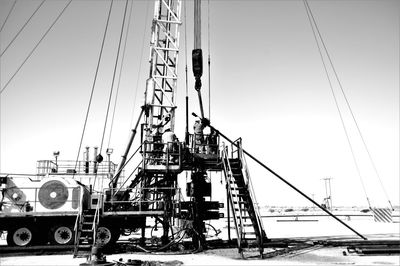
[
  {"x": 248, "y": 225},
  {"x": 85, "y": 232}
]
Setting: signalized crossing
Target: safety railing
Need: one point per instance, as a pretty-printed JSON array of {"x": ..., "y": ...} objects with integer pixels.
[
  {"x": 78, "y": 221},
  {"x": 68, "y": 167},
  {"x": 140, "y": 199},
  {"x": 96, "y": 219},
  {"x": 237, "y": 219},
  {"x": 162, "y": 156},
  {"x": 235, "y": 150},
  {"x": 207, "y": 144},
  {"x": 85, "y": 172},
  {"x": 248, "y": 181}
]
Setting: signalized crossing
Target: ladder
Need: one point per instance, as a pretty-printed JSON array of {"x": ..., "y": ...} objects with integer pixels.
[
  {"x": 248, "y": 225},
  {"x": 85, "y": 227}
]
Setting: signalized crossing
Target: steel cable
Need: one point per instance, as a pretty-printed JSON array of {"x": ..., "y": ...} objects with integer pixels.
[
  {"x": 36, "y": 46},
  {"x": 140, "y": 64},
  {"x": 9, "y": 13},
  {"x": 309, "y": 14},
  {"x": 22, "y": 28},
  {"x": 209, "y": 60},
  {"x": 348, "y": 106},
  {"x": 120, "y": 74},
  {"x": 94, "y": 83}
]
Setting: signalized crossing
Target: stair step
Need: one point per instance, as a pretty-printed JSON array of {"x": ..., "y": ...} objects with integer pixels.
[
  {"x": 234, "y": 183},
  {"x": 238, "y": 188},
  {"x": 83, "y": 253},
  {"x": 247, "y": 225}
]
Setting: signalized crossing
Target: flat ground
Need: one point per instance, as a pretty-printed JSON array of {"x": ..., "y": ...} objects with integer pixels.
[
  {"x": 314, "y": 255},
  {"x": 306, "y": 231},
  {"x": 318, "y": 256}
]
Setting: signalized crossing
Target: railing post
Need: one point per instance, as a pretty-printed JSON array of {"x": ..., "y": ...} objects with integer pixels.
[{"x": 228, "y": 214}]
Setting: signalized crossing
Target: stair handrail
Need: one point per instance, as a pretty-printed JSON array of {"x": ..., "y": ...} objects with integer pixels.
[
  {"x": 250, "y": 186},
  {"x": 78, "y": 220},
  {"x": 253, "y": 195},
  {"x": 228, "y": 178},
  {"x": 96, "y": 218}
]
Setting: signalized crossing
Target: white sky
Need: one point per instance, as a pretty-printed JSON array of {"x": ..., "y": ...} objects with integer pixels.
[{"x": 268, "y": 87}]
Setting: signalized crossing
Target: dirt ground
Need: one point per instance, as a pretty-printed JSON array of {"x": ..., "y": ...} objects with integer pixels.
[{"x": 311, "y": 256}]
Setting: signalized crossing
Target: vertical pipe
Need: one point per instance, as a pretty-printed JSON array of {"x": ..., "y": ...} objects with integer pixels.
[
  {"x": 330, "y": 193},
  {"x": 187, "y": 121},
  {"x": 127, "y": 149},
  {"x": 197, "y": 24},
  {"x": 94, "y": 160},
  {"x": 87, "y": 160}
]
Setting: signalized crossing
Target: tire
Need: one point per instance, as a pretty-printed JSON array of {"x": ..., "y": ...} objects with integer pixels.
[
  {"x": 20, "y": 236},
  {"x": 106, "y": 236},
  {"x": 61, "y": 235}
]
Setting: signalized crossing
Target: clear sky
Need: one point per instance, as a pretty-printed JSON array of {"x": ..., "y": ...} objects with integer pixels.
[{"x": 268, "y": 86}]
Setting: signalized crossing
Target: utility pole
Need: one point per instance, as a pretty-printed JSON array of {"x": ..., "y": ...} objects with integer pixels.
[{"x": 328, "y": 192}]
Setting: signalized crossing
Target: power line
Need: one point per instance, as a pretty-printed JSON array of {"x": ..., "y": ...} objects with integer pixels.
[
  {"x": 36, "y": 46},
  {"x": 9, "y": 12},
  {"x": 22, "y": 28}
]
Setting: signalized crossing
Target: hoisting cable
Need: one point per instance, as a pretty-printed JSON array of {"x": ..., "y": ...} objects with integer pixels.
[
  {"x": 100, "y": 157},
  {"x": 36, "y": 46},
  {"x": 336, "y": 102},
  {"x": 209, "y": 60},
  {"x": 186, "y": 80},
  {"x": 120, "y": 74},
  {"x": 22, "y": 28},
  {"x": 140, "y": 64},
  {"x": 9, "y": 13},
  {"x": 94, "y": 84},
  {"x": 349, "y": 107},
  {"x": 197, "y": 54},
  {"x": 206, "y": 122}
]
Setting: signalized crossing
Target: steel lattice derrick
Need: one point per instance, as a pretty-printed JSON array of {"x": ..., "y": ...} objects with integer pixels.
[{"x": 164, "y": 50}]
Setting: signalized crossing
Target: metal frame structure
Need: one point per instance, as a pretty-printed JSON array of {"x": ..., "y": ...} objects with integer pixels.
[{"x": 162, "y": 83}]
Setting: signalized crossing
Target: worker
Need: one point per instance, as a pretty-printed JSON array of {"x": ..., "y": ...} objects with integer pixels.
[
  {"x": 169, "y": 140},
  {"x": 212, "y": 142},
  {"x": 198, "y": 136}
]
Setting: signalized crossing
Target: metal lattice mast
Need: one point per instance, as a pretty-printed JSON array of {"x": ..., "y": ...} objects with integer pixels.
[{"x": 162, "y": 83}]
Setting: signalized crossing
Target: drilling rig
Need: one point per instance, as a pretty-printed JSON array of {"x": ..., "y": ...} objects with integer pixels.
[
  {"x": 165, "y": 158},
  {"x": 94, "y": 216}
]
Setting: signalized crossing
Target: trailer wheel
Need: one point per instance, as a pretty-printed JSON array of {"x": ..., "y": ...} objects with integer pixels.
[
  {"x": 20, "y": 236},
  {"x": 106, "y": 236},
  {"x": 61, "y": 235}
]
